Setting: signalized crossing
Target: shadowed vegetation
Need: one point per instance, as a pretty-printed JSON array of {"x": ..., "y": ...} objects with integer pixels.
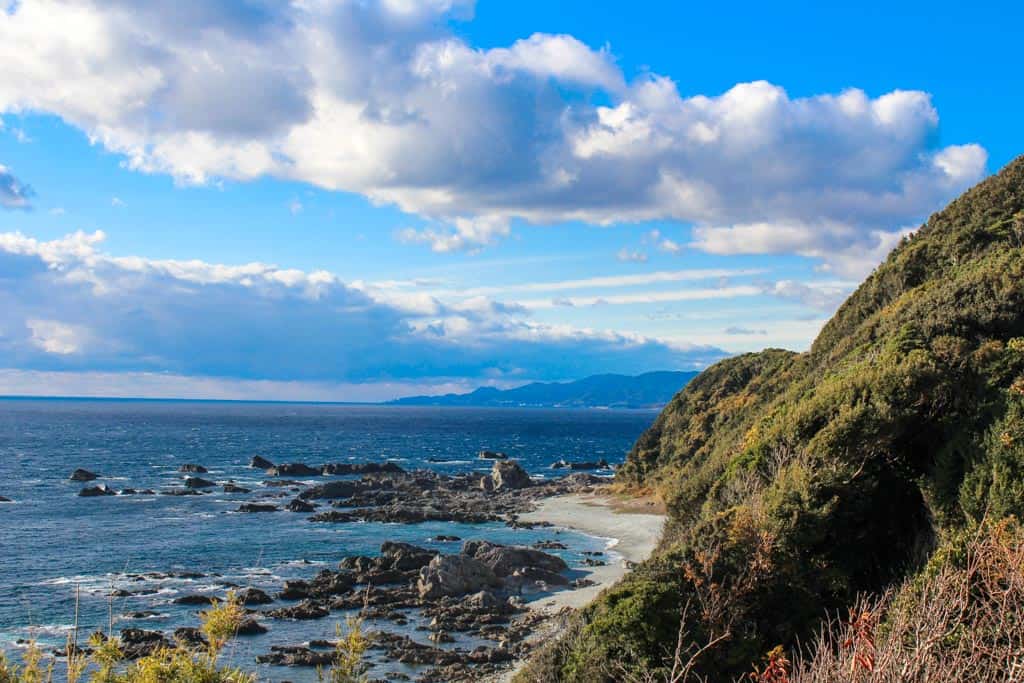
[{"x": 796, "y": 483}]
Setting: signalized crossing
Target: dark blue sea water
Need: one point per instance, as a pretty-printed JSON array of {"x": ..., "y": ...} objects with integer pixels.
[{"x": 54, "y": 544}]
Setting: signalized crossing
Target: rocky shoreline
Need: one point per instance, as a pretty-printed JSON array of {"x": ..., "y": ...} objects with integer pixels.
[{"x": 481, "y": 591}]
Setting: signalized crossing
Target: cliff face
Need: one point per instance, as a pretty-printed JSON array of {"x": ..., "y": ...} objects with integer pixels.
[{"x": 795, "y": 481}]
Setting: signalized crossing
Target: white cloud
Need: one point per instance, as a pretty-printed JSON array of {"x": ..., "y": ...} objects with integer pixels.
[
  {"x": 13, "y": 193},
  {"x": 635, "y": 256},
  {"x": 117, "y": 202},
  {"x": 295, "y": 207},
  {"x": 66, "y": 306},
  {"x": 382, "y": 98}
]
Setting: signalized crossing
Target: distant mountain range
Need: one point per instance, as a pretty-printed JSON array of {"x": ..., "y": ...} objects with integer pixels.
[{"x": 649, "y": 390}]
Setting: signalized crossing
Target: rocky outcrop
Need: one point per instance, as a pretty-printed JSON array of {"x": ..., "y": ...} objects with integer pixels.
[
  {"x": 231, "y": 488},
  {"x": 192, "y": 468},
  {"x": 346, "y": 468},
  {"x": 601, "y": 464},
  {"x": 294, "y": 469},
  {"x": 509, "y": 474},
  {"x": 199, "y": 483},
  {"x": 137, "y": 643},
  {"x": 331, "y": 490},
  {"x": 83, "y": 475},
  {"x": 504, "y": 560},
  {"x": 257, "y": 507},
  {"x": 454, "y": 575},
  {"x": 254, "y": 596}
]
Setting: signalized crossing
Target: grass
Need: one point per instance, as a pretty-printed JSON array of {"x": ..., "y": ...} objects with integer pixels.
[{"x": 104, "y": 661}]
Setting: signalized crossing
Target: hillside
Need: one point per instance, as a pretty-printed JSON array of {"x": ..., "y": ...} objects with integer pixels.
[
  {"x": 649, "y": 390},
  {"x": 795, "y": 482}
]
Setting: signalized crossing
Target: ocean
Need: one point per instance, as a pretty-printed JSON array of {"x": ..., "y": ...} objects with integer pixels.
[{"x": 55, "y": 545}]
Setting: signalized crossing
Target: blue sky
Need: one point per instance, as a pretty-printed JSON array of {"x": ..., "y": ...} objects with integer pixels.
[{"x": 356, "y": 200}]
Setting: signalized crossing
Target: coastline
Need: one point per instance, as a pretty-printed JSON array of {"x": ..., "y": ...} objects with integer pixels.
[{"x": 632, "y": 537}]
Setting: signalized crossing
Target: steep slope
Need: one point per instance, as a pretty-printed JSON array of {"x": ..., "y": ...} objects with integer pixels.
[
  {"x": 649, "y": 390},
  {"x": 796, "y": 481}
]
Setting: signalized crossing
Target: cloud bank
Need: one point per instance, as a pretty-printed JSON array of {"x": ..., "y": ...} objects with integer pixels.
[
  {"x": 65, "y": 305},
  {"x": 383, "y": 98}
]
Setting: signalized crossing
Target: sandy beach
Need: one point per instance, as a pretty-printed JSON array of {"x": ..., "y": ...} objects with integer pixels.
[{"x": 632, "y": 537}]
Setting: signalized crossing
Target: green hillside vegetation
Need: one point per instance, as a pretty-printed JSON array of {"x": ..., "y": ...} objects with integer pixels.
[{"x": 797, "y": 482}]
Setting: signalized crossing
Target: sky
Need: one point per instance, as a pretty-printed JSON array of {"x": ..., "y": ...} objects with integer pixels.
[{"x": 361, "y": 199}]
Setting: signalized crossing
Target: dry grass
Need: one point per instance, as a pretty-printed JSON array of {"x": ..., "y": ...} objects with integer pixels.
[{"x": 963, "y": 622}]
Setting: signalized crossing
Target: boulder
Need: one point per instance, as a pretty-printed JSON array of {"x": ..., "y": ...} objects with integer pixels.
[
  {"x": 231, "y": 488},
  {"x": 250, "y": 627},
  {"x": 94, "y": 491},
  {"x": 487, "y": 483},
  {"x": 136, "y": 643},
  {"x": 254, "y": 596},
  {"x": 505, "y": 560},
  {"x": 192, "y": 468},
  {"x": 493, "y": 455},
  {"x": 197, "y": 600},
  {"x": 454, "y": 575},
  {"x": 509, "y": 474},
  {"x": 294, "y": 469},
  {"x": 83, "y": 475},
  {"x": 298, "y": 505},
  {"x": 190, "y": 638},
  {"x": 294, "y": 590},
  {"x": 405, "y": 556},
  {"x": 198, "y": 483},
  {"x": 5, "y": 500},
  {"x": 260, "y": 463}
]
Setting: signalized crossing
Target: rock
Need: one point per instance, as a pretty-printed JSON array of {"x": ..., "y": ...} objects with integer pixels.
[
  {"x": 257, "y": 507},
  {"x": 405, "y": 556},
  {"x": 254, "y": 596},
  {"x": 454, "y": 575},
  {"x": 83, "y": 475},
  {"x": 295, "y": 655},
  {"x": 601, "y": 464},
  {"x": 443, "y": 538},
  {"x": 294, "y": 590},
  {"x": 298, "y": 505},
  {"x": 5, "y": 500},
  {"x": 94, "y": 491},
  {"x": 203, "y": 600},
  {"x": 344, "y": 468},
  {"x": 493, "y": 455},
  {"x": 136, "y": 642},
  {"x": 504, "y": 560},
  {"x": 528, "y": 577},
  {"x": 260, "y": 463},
  {"x": 231, "y": 488},
  {"x": 295, "y": 469},
  {"x": 191, "y": 468},
  {"x": 198, "y": 483},
  {"x": 549, "y": 545},
  {"x": 508, "y": 474},
  {"x": 181, "y": 492},
  {"x": 190, "y": 638},
  {"x": 334, "y": 489},
  {"x": 140, "y": 615},
  {"x": 304, "y": 611},
  {"x": 487, "y": 483},
  {"x": 250, "y": 627}
]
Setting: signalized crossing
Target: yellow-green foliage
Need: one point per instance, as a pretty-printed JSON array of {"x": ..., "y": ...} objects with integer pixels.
[
  {"x": 351, "y": 646},
  {"x": 902, "y": 424}
]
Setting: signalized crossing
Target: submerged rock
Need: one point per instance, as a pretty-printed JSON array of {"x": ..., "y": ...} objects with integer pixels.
[
  {"x": 298, "y": 505},
  {"x": 94, "y": 491},
  {"x": 192, "y": 468},
  {"x": 231, "y": 488},
  {"x": 83, "y": 475},
  {"x": 257, "y": 507},
  {"x": 492, "y": 455}
]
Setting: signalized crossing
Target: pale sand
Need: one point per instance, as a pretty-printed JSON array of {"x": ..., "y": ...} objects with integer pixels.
[{"x": 632, "y": 537}]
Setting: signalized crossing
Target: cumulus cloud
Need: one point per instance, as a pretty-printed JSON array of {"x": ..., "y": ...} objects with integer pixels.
[
  {"x": 65, "y": 305},
  {"x": 384, "y": 99},
  {"x": 13, "y": 193},
  {"x": 631, "y": 256}
]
